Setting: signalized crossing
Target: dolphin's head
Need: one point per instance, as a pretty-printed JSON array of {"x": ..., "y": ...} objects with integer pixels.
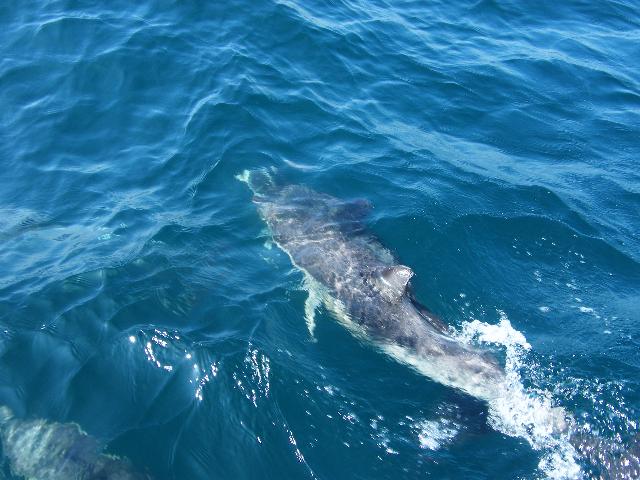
[
  {"x": 260, "y": 182},
  {"x": 5, "y": 415}
]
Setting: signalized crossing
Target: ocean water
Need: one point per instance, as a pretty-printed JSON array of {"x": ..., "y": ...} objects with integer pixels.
[{"x": 141, "y": 296}]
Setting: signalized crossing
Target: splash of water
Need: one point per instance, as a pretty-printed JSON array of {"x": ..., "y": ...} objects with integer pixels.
[{"x": 522, "y": 412}]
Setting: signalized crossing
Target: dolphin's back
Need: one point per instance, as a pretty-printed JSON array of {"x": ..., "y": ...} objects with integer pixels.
[
  {"x": 327, "y": 238},
  {"x": 323, "y": 235}
]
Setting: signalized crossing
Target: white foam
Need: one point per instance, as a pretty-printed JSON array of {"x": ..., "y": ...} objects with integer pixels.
[
  {"x": 522, "y": 412},
  {"x": 502, "y": 334},
  {"x": 432, "y": 435}
]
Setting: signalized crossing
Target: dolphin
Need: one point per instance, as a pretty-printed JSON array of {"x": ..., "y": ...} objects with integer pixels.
[
  {"x": 42, "y": 450},
  {"x": 360, "y": 281}
]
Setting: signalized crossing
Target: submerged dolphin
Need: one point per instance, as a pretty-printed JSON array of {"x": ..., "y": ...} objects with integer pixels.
[
  {"x": 363, "y": 285},
  {"x": 42, "y": 450}
]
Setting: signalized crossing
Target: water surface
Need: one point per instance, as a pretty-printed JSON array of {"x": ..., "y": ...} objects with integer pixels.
[{"x": 140, "y": 295}]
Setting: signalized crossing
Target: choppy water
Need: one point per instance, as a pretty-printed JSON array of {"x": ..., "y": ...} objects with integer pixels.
[{"x": 499, "y": 142}]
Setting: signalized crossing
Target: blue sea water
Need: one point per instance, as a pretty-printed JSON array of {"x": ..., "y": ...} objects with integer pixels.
[{"x": 141, "y": 297}]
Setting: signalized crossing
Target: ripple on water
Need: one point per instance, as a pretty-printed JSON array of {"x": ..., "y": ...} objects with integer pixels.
[{"x": 497, "y": 143}]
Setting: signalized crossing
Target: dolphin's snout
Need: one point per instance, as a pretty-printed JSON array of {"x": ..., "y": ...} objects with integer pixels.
[{"x": 5, "y": 414}]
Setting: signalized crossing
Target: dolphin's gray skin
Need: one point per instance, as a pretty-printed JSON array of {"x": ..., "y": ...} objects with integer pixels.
[
  {"x": 367, "y": 289},
  {"x": 42, "y": 450}
]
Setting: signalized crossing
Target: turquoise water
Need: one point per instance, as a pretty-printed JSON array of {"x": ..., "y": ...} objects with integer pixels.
[{"x": 141, "y": 297}]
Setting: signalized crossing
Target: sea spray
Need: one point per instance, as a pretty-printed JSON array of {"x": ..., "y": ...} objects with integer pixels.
[{"x": 524, "y": 412}]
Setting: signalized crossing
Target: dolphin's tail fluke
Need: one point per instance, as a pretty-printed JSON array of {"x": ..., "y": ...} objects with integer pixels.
[{"x": 612, "y": 460}]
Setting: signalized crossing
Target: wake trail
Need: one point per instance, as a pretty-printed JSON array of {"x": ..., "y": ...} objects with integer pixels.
[{"x": 530, "y": 414}]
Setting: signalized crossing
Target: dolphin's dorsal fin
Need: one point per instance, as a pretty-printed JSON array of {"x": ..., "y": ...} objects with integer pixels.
[{"x": 392, "y": 281}]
